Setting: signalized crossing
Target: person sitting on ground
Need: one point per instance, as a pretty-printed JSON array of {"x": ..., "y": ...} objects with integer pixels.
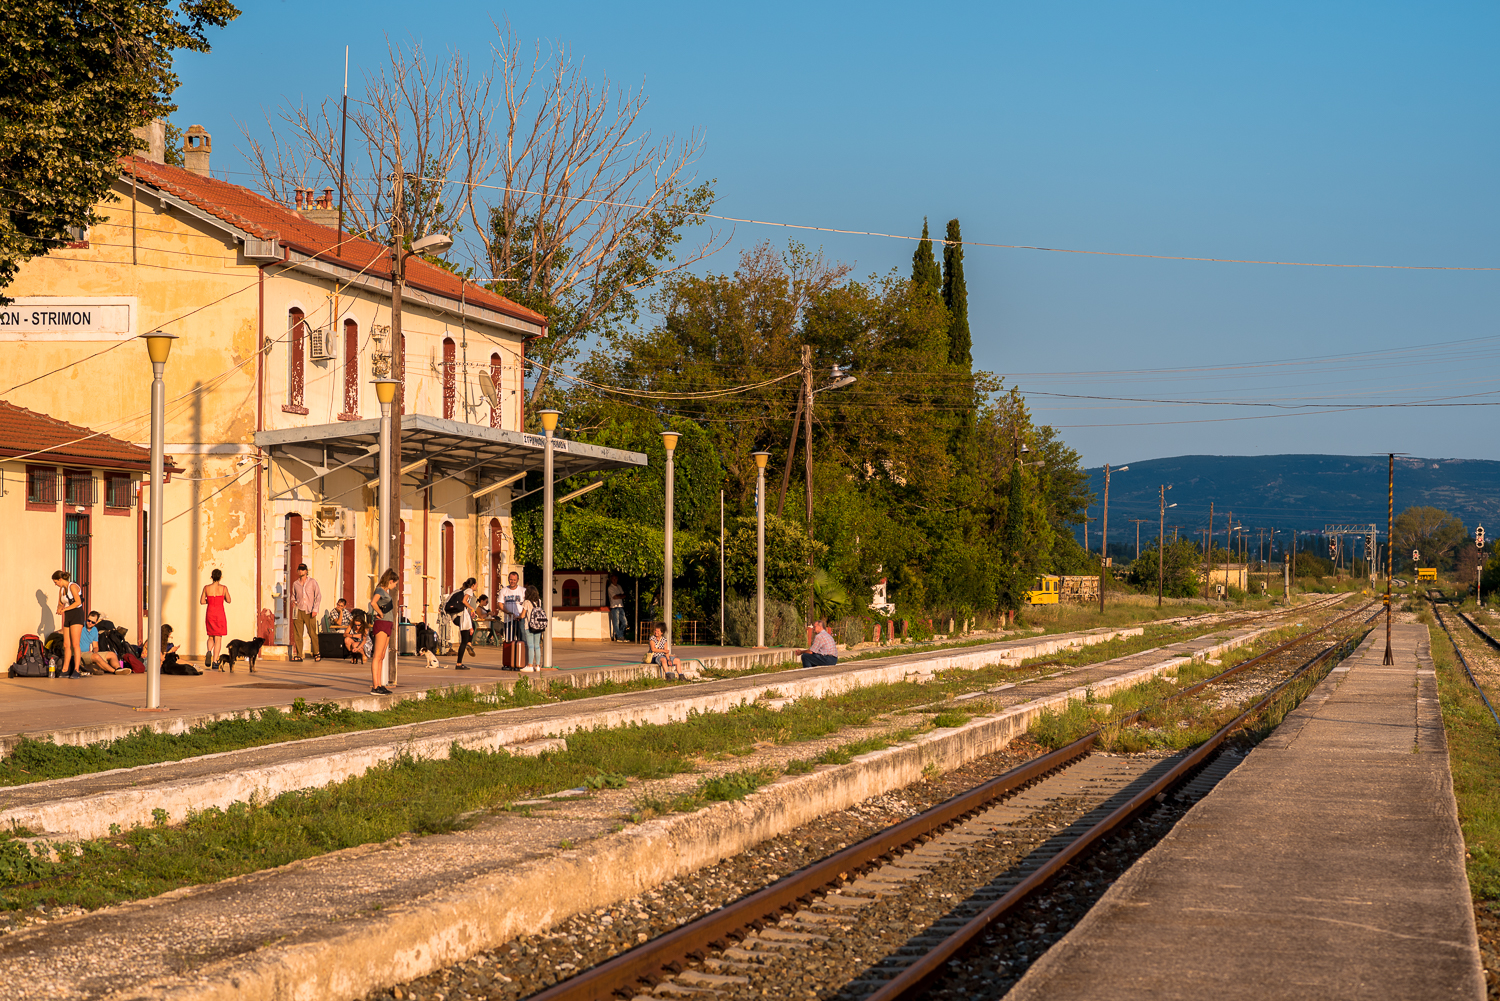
[
  {"x": 823, "y": 652},
  {"x": 661, "y": 651},
  {"x": 357, "y": 636},
  {"x": 95, "y": 659},
  {"x": 169, "y": 650}
]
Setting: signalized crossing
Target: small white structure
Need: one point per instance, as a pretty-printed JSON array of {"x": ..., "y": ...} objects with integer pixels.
[
  {"x": 878, "y": 602},
  {"x": 580, "y": 610}
]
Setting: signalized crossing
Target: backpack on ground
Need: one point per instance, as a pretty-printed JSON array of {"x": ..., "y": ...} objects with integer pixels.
[
  {"x": 455, "y": 603},
  {"x": 130, "y": 660},
  {"x": 31, "y": 658},
  {"x": 537, "y": 620}
]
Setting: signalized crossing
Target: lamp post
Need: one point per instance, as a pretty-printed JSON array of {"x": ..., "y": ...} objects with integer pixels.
[
  {"x": 1161, "y": 541},
  {"x": 1104, "y": 534},
  {"x": 385, "y": 392},
  {"x": 669, "y": 442},
  {"x": 1390, "y": 534},
  {"x": 761, "y": 458},
  {"x": 158, "y": 348},
  {"x": 549, "y": 426}
]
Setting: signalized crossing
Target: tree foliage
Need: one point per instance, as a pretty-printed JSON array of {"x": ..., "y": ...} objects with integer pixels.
[
  {"x": 916, "y": 477},
  {"x": 1179, "y": 573},
  {"x": 1431, "y": 531},
  {"x": 956, "y": 298},
  {"x": 78, "y": 77}
]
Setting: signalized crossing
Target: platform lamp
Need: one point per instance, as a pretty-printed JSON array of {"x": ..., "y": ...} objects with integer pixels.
[
  {"x": 669, "y": 442},
  {"x": 761, "y": 458},
  {"x": 549, "y": 428},
  {"x": 158, "y": 348},
  {"x": 385, "y": 392}
]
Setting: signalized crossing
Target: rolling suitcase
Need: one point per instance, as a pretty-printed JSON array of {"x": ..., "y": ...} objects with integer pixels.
[{"x": 512, "y": 655}]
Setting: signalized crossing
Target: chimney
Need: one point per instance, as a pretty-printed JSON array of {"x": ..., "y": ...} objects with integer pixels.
[
  {"x": 152, "y": 140},
  {"x": 196, "y": 146},
  {"x": 315, "y": 209}
]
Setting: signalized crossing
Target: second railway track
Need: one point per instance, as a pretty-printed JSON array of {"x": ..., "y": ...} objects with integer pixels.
[{"x": 884, "y": 918}]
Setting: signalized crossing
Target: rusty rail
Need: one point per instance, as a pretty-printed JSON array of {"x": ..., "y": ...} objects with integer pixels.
[{"x": 661, "y": 957}]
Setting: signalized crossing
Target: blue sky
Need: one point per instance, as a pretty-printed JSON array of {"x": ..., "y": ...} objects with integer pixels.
[{"x": 1334, "y": 133}]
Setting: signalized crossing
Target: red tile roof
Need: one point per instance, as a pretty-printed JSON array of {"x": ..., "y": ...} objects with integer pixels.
[
  {"x": 23, "y": 432},
  {"x": 267, "y": 220}
]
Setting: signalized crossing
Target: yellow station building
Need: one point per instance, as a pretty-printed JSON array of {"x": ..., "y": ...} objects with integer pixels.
[{"x": 272, "y": 420}]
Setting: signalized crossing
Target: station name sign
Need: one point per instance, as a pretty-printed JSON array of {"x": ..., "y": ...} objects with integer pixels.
[
  {"x": 540, "y": 441},
  {"x": 68, "y": 318}
]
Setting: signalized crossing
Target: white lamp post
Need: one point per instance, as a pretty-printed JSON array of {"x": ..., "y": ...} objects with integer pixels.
[
  {"x": 760, "y": 546},
  {"x": 385, "y": 392},
  {"x": 669, "y": 440},
  {"x": 549, "y": 425},
  {"x": 158, "y": 347}
]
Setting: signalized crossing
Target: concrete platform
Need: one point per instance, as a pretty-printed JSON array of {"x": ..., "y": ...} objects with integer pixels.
[{"x": 1328, "y": 865}]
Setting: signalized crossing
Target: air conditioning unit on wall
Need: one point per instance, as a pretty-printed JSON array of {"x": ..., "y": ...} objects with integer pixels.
[
  {"x": 322, "y": 344},
  {"x": 332, "y": 522}
]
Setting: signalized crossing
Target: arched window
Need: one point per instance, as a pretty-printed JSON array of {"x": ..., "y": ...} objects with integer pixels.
[
  {"x": 570, "y": 593},
  {"x": 351, "y": 371},
  {"x": 448, "y": 574},
  {"x": 296, "y": 361},
  {"x": 450, "y": 378},
  {"x": 497, "y": 367}
]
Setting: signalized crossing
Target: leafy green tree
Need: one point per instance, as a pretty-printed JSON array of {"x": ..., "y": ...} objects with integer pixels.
[
  {"x": 79, "y": 77},
  {"x": 1431, "y": 531},
  {"x": 956, "y": 298},
  {"x": 787, "y": 552},
  {"x": 1180, "y": 572}
]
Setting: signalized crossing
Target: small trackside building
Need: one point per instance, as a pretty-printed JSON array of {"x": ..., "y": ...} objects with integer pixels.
[{"x": 69, "y": 500}]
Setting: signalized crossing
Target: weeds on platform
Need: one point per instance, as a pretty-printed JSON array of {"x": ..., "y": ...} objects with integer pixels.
[
  {"x": 38, "y": 760},
  {"x": 1474, "y": 759}
]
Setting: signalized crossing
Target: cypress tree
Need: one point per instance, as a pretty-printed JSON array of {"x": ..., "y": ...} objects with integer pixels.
[
  {"x": 924, "y": 266},
  {"x": 956, "y": 298}
]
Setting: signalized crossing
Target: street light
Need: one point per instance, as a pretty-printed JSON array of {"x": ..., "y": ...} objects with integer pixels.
[
  {"x": 1161, "y": 540},
  {"x": 761, "y": 458},
  {"x": 549, "y": 425},
  {"x": 158, "y": 348},
  {"x": 385, "y": 392},
  {"x": 669, "y": 441},
  {"x": 1104, "y": 534}
]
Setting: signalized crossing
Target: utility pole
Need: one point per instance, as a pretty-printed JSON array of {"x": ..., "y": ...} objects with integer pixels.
[
  {"x": 1161, "y": 540},
  {"x": 1390, "y": 534},
  {"x": 1208, "y": 555},
  {"x": 807, "y": 395},
  {"x": 791, "y": 449},
  {"x": 398, "y": 373},
  {"x": 1138, "y": 522}
]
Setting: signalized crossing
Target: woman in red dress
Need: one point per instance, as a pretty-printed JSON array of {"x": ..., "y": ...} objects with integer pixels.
[{"x": 215, "y": 623}]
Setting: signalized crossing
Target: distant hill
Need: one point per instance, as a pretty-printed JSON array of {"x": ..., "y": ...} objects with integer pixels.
[{"x": 1302, "y": 492}]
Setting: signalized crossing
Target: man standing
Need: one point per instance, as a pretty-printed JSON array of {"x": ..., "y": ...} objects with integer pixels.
[
  {"x": 823, "y": 652},
  {"x": 618, "y": 629},
  {"x": 307, "y": 602},
  {"x": 512, "y": 597}
]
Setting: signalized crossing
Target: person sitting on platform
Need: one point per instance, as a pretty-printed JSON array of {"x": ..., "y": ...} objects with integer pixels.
[{"x": 823, "y": 652}]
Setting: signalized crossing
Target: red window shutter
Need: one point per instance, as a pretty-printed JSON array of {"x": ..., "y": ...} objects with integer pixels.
[
  {"x": 351, "y": 368},
  {"x": 450, "y": 379},
  {"x": 297, "y": 375},
  {"x": 496, "y": 368}
]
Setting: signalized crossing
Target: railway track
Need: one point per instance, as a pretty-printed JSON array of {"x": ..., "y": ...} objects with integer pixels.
[
  {"x": 1484, "y": 637},
  {"x": 888, "y": 915}
]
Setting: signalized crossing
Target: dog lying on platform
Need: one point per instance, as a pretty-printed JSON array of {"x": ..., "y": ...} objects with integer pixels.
[{"x": 248, "y": 649}]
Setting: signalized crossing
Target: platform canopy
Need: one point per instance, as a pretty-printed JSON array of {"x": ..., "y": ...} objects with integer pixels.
[{"x": 493, "y": 453}]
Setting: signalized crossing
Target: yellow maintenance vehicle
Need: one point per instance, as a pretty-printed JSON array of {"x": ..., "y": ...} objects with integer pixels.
[
  {"x": 1046, "y": 591},
  {"x": 1426, "y": 573}
]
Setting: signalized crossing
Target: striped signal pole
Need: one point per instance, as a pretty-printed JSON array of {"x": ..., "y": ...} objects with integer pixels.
[{"x": 1390, "y": 533}]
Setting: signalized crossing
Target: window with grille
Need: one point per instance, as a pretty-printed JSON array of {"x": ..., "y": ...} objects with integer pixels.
[
  {"x": 41, "y": 485},
  {"x": 118, "y": 490},
  {"x": 76, "y": 552},
  {"x": 351, "y": 368},
  {"x": 79, "y": 488},
  {"x": 450, "y": 378},
  {"x": 296, "y": 360}
]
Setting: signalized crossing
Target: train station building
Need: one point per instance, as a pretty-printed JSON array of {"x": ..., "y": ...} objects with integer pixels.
[{"x": 271, "y": 417}]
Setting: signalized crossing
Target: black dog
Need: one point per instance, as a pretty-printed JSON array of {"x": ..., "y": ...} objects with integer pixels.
[{"x": 249, "y": 649}]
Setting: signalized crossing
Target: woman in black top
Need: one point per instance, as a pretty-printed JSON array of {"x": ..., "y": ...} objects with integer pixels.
[{"x": 70, "y": 608}]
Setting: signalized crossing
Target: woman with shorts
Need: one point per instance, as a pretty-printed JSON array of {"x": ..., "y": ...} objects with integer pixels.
[
  {"x": 70, "y": 609},
  {"x": 382, "y": 627}
]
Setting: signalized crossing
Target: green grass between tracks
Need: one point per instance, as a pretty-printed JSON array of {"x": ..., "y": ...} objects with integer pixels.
[{"x": 1474, "y": 758}]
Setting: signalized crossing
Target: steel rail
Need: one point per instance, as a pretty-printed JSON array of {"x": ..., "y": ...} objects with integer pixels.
[
  {"x": 1461, "y": 658},
  {"x": 661, "y": 957},
  {"x": 915, "y": 977}
]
